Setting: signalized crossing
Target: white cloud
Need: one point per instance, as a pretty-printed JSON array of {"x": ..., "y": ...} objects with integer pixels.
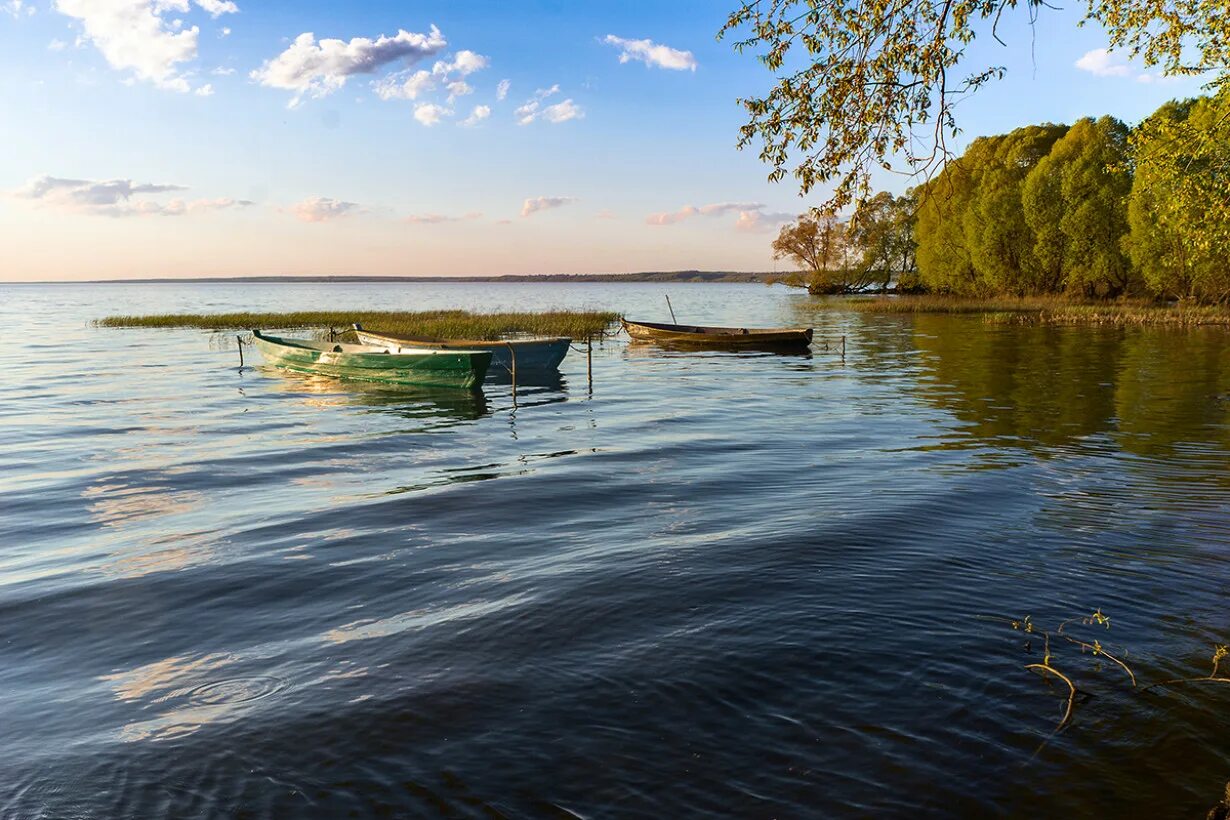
[
  {"x": 224, "y": 32},
  {"x": 133, "y": 36},
  {"x": 652, "y": 54},
  {"x": 544, "y": 203},
  {"x": 533, "y": 109},
  {"x": 430, "y": 114},
  {"x": 216, "y": 8},
  {"x": 448, "y": 74},
  {"x": 501, "y": 90},
  {"x": 222, "y": 71},
  {"x": 319, "y": 69},
  {"x": 562, "y": 112},
  {"x": 116, "y": 197},
  {"x": 324, "y": 209},
  {"x": 480, "y": 113},
  {"x": 57, "y": 45},
  {"x": 206, "y": 90},
  {"x": 438, "y": 219},
  {"x": 1102, "y": 63}
]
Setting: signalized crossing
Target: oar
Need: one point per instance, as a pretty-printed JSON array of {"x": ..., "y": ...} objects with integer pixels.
[{"x": 671, "y": 309}]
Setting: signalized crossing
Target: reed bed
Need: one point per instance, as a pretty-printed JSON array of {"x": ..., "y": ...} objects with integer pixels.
[
  {"x": 441, "y": 324},
  {"x": 1049, "y": 310}
]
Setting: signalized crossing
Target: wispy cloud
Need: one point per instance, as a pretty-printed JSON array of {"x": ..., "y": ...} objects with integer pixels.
[
  {"x": 117, "y": 197},
  {"x": 533, "y": 108},
  {"x": 501, "y": 90},
  {"x": 1102, "y": 62},
  {"x": 544, "y": 203},
  {"x": 480, "y": 113},
  {"x": 760, "y": 221},
  {"x": 652, "y": 54},
  {"x": 752, "y": 215},
  {"x": 132, "y": 35},
  {"x": 324, "y": 209},
  {"x": 689, "y": 211},
  {"x": 308, "y": 67},
  {"x": 439, "y": 219},
  {"x": 445, "y": 74},
  {"x": 17, "y": 8}
]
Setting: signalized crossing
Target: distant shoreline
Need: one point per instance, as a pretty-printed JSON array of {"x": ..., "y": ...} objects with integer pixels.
[{"x": 675, "y": 277}]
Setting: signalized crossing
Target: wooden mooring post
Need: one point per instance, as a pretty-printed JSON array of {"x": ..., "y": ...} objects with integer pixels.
[
  {"x": 512, "y": 354},
  {"x": 239, "y": 342},
  {"x": 589, "y": 362}
]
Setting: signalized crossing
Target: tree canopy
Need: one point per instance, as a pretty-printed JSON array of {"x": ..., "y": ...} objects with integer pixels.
[{"x": 875, "y": 84}]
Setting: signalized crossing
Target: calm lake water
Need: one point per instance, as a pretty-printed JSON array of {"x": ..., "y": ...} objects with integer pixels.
[{"x": 721, "y": 585}]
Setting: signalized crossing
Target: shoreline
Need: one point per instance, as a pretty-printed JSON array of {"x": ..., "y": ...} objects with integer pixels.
[
  {"x": 1044, "y": 310},
  {"x": 665, "y": 277}
]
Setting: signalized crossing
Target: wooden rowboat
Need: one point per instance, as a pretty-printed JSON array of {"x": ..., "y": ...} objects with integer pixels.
[
  {"x": 718, "y": 336},
  {"x": 372, "y": 363},
  {"x": 540, "y": 353}
]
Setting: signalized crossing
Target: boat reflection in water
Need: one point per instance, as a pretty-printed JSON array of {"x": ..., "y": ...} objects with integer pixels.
[
  {"x": 639, "y": 349},
  {"x": 445, "y": 405}
]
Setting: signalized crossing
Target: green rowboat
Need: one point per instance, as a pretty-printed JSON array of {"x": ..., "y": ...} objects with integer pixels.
[{"x": 373, "y": 363}]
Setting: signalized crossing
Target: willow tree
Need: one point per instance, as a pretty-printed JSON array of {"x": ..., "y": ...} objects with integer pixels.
[
  {"x": 1075, "y": 201},
  {"x": 867, "y": 84},
  {"x": 1179, "y": 208},
  {"x": 1000, "y": 241},
  {"x": 944, "y": 207}
]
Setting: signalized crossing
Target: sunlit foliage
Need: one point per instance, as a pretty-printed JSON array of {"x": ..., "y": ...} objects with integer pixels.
[{"x": 867, "y": 84}]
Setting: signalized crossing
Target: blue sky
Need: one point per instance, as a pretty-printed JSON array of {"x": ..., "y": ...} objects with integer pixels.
[{"x": 135, "y": 148}]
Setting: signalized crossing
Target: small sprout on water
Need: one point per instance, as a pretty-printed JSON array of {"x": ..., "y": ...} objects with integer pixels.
[{"x": 1098, "y": 618}]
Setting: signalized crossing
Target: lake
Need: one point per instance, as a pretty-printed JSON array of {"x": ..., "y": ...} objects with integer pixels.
[{"x": 720, "y": 584}]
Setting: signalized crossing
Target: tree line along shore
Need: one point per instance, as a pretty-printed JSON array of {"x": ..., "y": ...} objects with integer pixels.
[{"x": 1094, "y": 221}]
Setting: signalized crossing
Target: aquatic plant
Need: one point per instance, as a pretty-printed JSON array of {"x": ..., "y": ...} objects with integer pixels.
[
  {"x": 441, "y": 324},
  {"x": 1050, "y": 667}
]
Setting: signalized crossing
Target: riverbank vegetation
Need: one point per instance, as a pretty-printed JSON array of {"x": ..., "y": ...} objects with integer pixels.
[
  {"x": 1049, "y": 310},
  {"x": 442, "y": 324},
  {"x": 1093, "y": 222}
]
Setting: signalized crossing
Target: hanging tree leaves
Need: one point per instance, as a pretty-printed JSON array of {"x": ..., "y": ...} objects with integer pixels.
[{"x": 875, "y": 84}]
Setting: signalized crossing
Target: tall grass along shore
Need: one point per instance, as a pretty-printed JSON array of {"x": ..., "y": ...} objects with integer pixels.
[
  {"x": 440, "y": 324},
  {"x": 1047, "y": 310}
]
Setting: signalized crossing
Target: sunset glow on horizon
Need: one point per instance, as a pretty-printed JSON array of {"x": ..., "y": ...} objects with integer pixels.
[{"x": 168, "y": 138}]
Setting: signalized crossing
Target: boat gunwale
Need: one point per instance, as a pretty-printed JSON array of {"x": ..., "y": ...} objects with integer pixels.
[
  {"x": 429, "y": 340},
  {"x": 714, "y": 333},
  {"x": 353, "y": 349}
]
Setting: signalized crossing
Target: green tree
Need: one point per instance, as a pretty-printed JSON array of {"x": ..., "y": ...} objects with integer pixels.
[
  {"x": 1075, "y": 202},
  {"x": 944, "y": 263},
  {"x": 878, "y": 80},
  {"x": 1000, "y": 241},
  {"x": 817, "y": 244},
  {"x": 882, "y": 234},
  {"x": 1179, "y": 207}
]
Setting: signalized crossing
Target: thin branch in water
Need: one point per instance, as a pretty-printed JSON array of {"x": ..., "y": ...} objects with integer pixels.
[{"x": 1097, "y": 649}]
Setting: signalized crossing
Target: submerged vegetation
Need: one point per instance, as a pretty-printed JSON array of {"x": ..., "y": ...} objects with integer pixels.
[
  {"x": 1049, "y": 664},
  {"x": 441, "y": 324}
]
